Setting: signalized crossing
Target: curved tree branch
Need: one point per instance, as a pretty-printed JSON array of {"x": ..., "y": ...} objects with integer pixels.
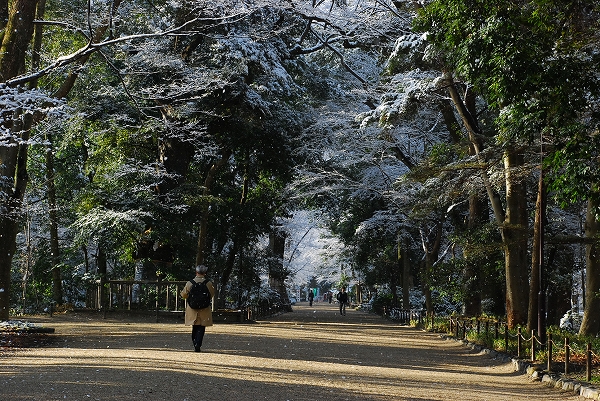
[{"x": 92, "y": 47}]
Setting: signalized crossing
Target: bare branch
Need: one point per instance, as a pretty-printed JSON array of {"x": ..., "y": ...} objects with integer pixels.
[{"x": 94, "y": 47}]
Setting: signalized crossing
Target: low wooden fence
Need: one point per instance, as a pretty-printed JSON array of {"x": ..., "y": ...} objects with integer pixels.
[
  {"x": 137, "y": 294},
  {"x": 405, "y": 316},
  {"x": 164, "y": 296},
  {"x": 519, "y": 344}
]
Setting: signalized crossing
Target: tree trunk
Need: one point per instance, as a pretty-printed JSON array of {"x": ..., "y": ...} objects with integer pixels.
[
  {"x": 208, "y": 183},
  {"x": 37, "y": 41},
  {"x": 405, "y": 276},
  {"x": 534, "y": 283},
  {"x": 512, "y": 222},
  {"x": 17, "y": 36},
  {"x": 226, "y": 273},
  {"x": 393, "y": 283},
  {"x": 478, "y": 210},
  {"x": 13, "y": 159},
  {"x": 472, "y": 274},
  {"x": 57, "y": 293},
  {"x": 394, "y": 272},
  {"x": 8, "y": 234},
  {"x": 176, "y": 156},
  {"x": 515, "y": 241},
  {"x": 590, "y": 326},
  {"x": 473, "y": 130},
  {"x": 431, "y": 247},
  {"x": 559, "y": 293},
  {"x": 277, "y": 271},
  {"x": 478, "y": 216},
  {"x": 428, "y": 299}
]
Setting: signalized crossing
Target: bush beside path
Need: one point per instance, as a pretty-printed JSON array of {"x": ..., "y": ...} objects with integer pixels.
[{"x": 312, "y": 353}]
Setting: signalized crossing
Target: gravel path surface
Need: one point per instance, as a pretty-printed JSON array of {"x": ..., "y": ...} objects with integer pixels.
[{"x": 312, "y": 353}]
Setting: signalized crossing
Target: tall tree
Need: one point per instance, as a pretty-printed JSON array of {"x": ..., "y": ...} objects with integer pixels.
[
  {"x": 591, "y": 320},
  {"x": 514, "y": 54},
  {"x": 16, "y": 124}
]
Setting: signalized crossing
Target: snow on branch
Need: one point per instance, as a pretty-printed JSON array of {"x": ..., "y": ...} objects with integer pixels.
[
  {"x": 91, "y": 47},
  {"x": 24, "y": 101},
  {"x": 100, "y": 222}
]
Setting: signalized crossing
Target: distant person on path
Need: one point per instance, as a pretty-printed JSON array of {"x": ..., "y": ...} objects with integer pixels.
[
  {"x": 199, "y": 319},
  {"x": 311, "y": 296},
  {"x": 342, "y": 298},
  {"x": 329, "y": 296}
]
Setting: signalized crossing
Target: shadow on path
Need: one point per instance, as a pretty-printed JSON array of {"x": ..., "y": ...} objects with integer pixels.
[{"x": 309, "y": 354}]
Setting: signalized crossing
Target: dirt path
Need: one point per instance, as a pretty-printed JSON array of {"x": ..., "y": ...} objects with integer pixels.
[{"x": 309, "y": 354}]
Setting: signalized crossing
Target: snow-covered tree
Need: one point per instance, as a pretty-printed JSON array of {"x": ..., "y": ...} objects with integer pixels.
[{"x": 524, "y": 59}]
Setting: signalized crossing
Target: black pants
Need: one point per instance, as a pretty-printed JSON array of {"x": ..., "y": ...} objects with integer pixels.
[{"x": 198, "y": 335}]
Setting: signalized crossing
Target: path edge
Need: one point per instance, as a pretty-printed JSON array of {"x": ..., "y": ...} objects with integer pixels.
[{"x": 553, "y": 380}]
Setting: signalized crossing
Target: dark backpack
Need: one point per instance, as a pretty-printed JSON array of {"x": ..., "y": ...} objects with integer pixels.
[{"x": 199, "y": 296}]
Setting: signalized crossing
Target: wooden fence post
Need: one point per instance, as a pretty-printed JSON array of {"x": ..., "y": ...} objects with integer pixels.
[
  {"x": 505, "y": 336},
  {"x": 102, "y": 294},
  {"x": 110, "y": 296},
  {"x": 130, "y": 296},
  {"x": 549, "y": 339},
  {"x": 567, "y": 355},
  {"x": 588, "y": 362},
  {"x": 157, "y": 296},
  {"x": 518, "y": 342},
  {"x": 532, "y": 345}
]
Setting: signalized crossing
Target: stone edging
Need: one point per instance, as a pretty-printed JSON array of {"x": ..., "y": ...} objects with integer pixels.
[{"x": 550, "y": 379}]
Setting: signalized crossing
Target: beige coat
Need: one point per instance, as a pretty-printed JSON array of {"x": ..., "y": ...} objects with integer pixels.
[{"x": 202, "y": 317}]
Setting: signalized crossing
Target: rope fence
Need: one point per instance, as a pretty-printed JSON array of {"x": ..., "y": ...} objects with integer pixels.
[{"x": 496, "y": 330}]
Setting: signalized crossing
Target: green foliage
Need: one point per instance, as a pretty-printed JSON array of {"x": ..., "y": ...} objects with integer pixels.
[
  {"x": 148, "y": 122},
  {"x": 575, "y": 173},
  {"x": 535, "y": 63},
  {"x": 442, "y": 154},
  {"x": 383, "y": 300},
  {"x": 31, "y": 289},
  {"x": 152, "y": 116},
  {"x": 507, "y": 49}
]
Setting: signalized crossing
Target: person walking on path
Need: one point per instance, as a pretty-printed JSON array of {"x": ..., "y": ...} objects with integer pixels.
[
  {"x": 391, "y": 362},
  {"x": 311, "y": 296},
  {"x": 342, "y": 298},
  {"x": 199, "y": 319}
]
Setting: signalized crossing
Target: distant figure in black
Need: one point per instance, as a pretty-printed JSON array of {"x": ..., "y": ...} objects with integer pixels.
[
  {"x": 329, "y": 296},
  {"x": 342, "y": 298},
  {"x": 311, "y": 296}
]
